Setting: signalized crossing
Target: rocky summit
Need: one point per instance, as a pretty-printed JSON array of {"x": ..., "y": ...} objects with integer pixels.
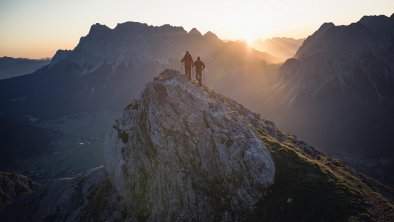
[{"x": 183, "y": 152}]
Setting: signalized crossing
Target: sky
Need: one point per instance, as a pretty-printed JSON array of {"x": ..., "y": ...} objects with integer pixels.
[{"x": 37, "y": 28}]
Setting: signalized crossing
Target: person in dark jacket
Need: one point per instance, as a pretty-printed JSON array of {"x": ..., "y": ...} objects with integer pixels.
[
  {"x": 187, "y": 61},
  {"x": 199, "y": 65}
]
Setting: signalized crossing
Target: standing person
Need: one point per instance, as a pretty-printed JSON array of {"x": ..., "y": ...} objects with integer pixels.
[
  {"x": 199, "y": 67},
  {"x": 187, "y": 62}
]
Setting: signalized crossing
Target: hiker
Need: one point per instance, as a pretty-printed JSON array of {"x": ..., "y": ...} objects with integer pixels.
[
  {"x": 199, "y": 67},
  {"x": 187, "y": 61}
]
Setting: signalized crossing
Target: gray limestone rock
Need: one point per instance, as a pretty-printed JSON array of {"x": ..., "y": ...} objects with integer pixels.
[{"x": 182, "y": 152}]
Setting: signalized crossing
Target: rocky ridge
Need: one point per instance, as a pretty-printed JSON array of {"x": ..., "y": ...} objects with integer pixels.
[
  {"x": 361, "y": 52},
  {"x": 338, "y": 94},
  {"x": 184, "y": 153}
]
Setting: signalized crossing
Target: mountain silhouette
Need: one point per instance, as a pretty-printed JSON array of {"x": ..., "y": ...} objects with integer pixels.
[
  {"x": 12, "y": 67},
  {"x": 282, "y": 48},
  {"x": 110, "y": 66},
  {"x": 68, "y": 104},
  {"x": 338, "y": 93}
]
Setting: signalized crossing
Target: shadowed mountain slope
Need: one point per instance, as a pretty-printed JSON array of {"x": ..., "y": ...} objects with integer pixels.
[
  {"x": 219, "y": 156},
  {"x": 338, "y": 93}
]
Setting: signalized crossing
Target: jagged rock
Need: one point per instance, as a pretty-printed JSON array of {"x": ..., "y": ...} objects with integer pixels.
[
  {"x": 185, "y": 153},
  {"x": 60, "y": 55},
  {"x": 341, "y": 82},
  {"x": 88, "y": 197},
  {"x": 13, "y": 185},
  {"x": 182, "y": 152},
  {"x": 109, "y": 67},
  {"x": 195, "y": 32}
]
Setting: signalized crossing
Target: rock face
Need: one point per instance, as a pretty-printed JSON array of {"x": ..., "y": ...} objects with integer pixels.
[
  {"x": 338, "y": 93},
  {"x": 185, "y": 153},
  {"x": 88, "y": 197},
  {"x": 109, "y": 67},
  {"x": 182, "y": 152},
  {"x": 354, "y": 58},
  {"x": 13, "y": 185}
]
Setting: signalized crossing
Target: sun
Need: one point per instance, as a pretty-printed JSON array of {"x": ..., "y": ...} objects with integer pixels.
[{"x": 249, "y": 40}]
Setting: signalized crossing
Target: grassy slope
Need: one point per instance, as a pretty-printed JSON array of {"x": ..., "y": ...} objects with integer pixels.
[{"x": 314, "y": 187}]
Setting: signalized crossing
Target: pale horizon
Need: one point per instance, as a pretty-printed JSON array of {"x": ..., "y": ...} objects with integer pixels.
[{"x": 38, "y": 29}]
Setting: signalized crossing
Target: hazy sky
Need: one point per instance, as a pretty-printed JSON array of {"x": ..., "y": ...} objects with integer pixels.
[{"x": 37, "y": 28}]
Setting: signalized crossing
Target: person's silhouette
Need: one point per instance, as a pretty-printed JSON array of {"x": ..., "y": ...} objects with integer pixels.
[
  {"x": 187, "y": 60},
  {"x": 199, "y": 67}
]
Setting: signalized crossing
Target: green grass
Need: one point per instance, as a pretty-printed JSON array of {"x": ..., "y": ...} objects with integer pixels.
[{"x": 316, "y": 193}]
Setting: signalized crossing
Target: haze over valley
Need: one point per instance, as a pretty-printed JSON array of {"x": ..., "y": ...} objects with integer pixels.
[{"x": 283, "y": 125}]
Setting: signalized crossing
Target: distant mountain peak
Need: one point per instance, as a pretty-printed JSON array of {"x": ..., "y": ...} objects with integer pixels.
[
  {"x": 170, "y": 28},
  {"x": 194, "y": 31},
  {"x": 98, "y": 27},
  {"x": 374, "y": 17},
  {"x": 12, "y": 67},
  {"x": 326, "y": 26},
  {"x": 378, "y": 24},
  {"x": 210, "y": 35},
  {"x": 130, "y": 26},
  {"x": 337, "y": 54},
  {"x": 60, "y": 55}
]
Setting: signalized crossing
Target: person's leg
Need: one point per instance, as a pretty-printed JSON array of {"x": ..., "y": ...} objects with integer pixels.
[
  {"x": 199, "y": 77},
  {"x": 189, "y": 76},
  {"x": 187, "y": 72},
  {"x": 196, "y": 72}
]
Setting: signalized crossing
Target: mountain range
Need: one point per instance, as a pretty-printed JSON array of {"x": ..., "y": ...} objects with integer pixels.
[
  {"x": 182, "y": 152},
  {"x": 338, "y": 92},
  {"x": 179, "y": 151},
  {"x": 12, "y": 67},
  {"x": 69, "y": 103},
  {"x": 108, "y": 67},
  {"x": 282, "y": 48}
]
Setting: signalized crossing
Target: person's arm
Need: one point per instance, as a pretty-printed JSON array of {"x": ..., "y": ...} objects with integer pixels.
[
  {"x": 183, "y": 59},
  {"x": 203, "y": 65}
]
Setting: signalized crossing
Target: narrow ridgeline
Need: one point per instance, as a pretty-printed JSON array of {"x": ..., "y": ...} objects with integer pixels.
[{"x": 185, "y": 153}]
